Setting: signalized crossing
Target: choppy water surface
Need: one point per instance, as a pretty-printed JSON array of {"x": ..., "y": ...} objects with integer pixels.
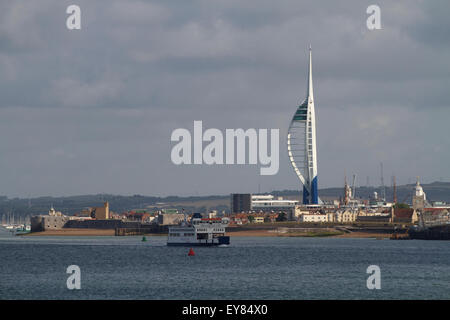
[{"x": 251, "y": 268}]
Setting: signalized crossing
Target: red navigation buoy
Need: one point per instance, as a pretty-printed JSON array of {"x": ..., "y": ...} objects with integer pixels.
[{"x": 191, "y": 252}]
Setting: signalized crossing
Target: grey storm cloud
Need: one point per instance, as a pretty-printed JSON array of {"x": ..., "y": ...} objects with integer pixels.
[{"x": 92, "y": 110}]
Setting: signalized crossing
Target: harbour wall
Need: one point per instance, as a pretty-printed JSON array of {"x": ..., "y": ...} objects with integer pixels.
[
  {"x": 44, "y": 223},
  {"x": 431, "y": 233},
  {"x": 120, "y": 227}
]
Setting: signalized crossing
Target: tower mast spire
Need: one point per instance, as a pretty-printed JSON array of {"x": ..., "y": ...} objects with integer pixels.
[
  {"x": 301, "y": 142},
  {"x": 310, "y": 82}
]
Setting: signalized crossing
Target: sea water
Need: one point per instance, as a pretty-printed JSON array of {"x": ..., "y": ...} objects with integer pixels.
[{"x": 250, "y": 268}]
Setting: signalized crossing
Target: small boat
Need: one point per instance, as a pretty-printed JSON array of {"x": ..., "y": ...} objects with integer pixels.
[
  {"x": 200, "y": 232},
  {"x": 20, "y": 230}
]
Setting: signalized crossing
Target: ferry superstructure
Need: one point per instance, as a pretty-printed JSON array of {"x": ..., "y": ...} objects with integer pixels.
[{"x": 200, "y": 232}]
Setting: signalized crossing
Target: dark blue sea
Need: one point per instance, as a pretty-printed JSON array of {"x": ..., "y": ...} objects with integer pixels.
[{"x": 250, "y": 268}]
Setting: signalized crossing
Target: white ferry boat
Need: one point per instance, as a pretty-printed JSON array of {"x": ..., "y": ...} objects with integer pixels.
[{"x": 200, "y": 232}]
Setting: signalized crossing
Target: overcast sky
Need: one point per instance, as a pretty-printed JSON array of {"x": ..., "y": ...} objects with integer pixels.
[{"x": 92, "y": 110}]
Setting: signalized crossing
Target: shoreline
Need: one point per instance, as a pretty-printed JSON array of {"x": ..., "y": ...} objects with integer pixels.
[
  {"x": 71, "y": 232},
  {"x": 331, "y": 234},
  {"x": 234, "y": 233}
]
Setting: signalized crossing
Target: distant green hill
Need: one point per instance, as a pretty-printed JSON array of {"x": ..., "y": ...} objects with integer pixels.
[{"x": 72, "y": 204}]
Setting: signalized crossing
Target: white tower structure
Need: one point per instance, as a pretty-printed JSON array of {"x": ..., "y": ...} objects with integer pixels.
[
  {"x": 301, "y": 142},
  {"x": 419, "y": 197},
  {"x": 419, "y": 190}
]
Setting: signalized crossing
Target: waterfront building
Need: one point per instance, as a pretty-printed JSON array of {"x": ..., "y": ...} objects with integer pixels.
[
  {"x": 170, "y": 218},
  {"x": 259, "y": 219},
  {"x": 299, "y": 211},
  {"x": 98, "y": 213},
  {"x": 54, "y": 220},
  {"x": 404, "y": 215},
  {"x": 301, "y": 143},
  {"x": 241, "y": 202},
  {"x": 375, "y": 215},
  {"x": 101, "y": 213},
  {"x": 340, "y": 216},
  {"x": 436, "y": 216},
  {"x": 346, "y": 216},
  {"x": 313, "y": 217},
  {"x": 239, "y": 219},
  {"x": 269, "y": 203},
  {"x": 331, "y": 217},
  {"x": 245, "y": 203}
]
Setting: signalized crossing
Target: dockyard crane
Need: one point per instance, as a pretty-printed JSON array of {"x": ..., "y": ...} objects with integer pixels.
[{"x": 354, "y": 187}]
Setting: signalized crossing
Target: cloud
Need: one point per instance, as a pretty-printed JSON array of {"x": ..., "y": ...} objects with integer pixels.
[
  {"x": 92, "y": 110},
  {"x": 74, "y": 93}
]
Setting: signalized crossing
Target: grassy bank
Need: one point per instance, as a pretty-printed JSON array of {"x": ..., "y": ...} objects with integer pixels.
[{"x": 316, "y": 234}]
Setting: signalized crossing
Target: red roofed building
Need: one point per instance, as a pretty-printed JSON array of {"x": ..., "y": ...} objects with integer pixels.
[{"x": 406, "y": 215}]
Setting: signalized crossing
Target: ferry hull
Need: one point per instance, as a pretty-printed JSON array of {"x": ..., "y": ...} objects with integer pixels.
[
  {"x": 224, "y": 240},
  {"x": 184, "y": 244}
]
